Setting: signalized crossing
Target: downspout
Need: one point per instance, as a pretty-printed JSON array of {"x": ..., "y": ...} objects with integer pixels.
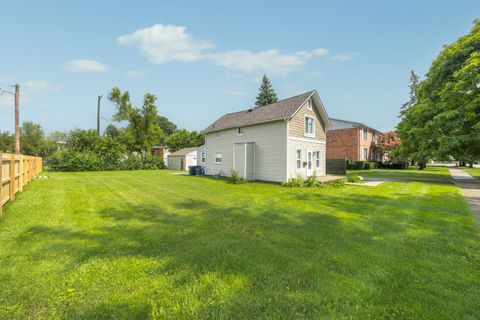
[{"x": 287, "y": 148}]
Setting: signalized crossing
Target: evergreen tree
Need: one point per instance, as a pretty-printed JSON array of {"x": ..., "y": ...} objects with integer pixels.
[
  {"x": 266, "y": 95},
  {"x": 413, "y": 84}
]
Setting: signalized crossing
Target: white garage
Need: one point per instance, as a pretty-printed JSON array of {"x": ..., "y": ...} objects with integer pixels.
[{"x": 182, "y": 159}]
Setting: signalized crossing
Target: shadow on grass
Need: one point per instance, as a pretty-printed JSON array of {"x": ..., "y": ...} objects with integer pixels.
[{"x": 314, "y": 261}]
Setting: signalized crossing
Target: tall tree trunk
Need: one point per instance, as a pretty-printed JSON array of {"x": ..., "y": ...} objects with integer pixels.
[
  {"x": 470, "y": 164},
  {"x": 421, "y": 166}
]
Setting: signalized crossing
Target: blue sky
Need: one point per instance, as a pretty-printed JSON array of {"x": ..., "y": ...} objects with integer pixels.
[{"x": 205, "y": 58}]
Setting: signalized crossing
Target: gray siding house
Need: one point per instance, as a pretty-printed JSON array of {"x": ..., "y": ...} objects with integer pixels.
[{"x": 269, "y": 143}]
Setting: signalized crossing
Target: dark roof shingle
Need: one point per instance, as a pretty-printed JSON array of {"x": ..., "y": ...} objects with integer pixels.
[
  {"x": 275, "y": 111},
  {"x": 344, "y": 124}
]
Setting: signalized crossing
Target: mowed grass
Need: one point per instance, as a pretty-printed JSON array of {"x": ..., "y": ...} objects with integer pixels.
[
  {"x": 472, "y": 171},
  {"x": 429, "y": 174},
  {"x": 149, "y": 244}
]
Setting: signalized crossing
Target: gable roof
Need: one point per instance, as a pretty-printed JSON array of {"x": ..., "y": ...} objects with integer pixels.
[
  {"x": 283, "y": 109},
  {"x": 344, "y": 124},
  {"x": 183, "y": 152}
]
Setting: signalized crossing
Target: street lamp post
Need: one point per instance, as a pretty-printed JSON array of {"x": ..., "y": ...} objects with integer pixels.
[{"x": 17, "y": 116}]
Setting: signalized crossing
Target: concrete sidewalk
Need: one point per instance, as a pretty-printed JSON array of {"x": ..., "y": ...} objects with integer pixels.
[{"x": 470, "y": 187}]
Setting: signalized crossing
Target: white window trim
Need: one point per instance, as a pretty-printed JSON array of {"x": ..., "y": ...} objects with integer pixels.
[
  {"x": 305, "y": 126},
  {"x": 365, "y": 137},
  {"x": 310, "y": 104},
  {"x": 218, "y": 134},
  {"x": 317, "y": 159},
  {"x": 365, "y": 154},
  {"x": 238, "y": 131},
  {"x": 296, "y": 159},
  {"x": 202, "y": 157},
  {"x": 215, "y": 160}
]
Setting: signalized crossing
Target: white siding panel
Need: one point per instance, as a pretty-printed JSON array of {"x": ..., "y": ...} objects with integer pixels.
[
  {"x": 270, "y": 150},
  {"x": 293, "y": 145}
]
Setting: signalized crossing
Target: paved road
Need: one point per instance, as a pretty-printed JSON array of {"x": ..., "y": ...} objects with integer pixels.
[{"x": 470, "y": 189}]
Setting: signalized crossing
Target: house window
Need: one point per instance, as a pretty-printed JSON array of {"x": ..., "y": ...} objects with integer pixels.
[
  {"x": 219, "y": 134},
  {"x": 309, "y": 126},
  {"x": 365, "y": 134},
  {"x": 317, "y": 158},
  {"x": 365, "y": 154},
  {"x": 309, "y": 104},
  {"x": 218, "y": 157},
  {"x": 203, "y": 157},
  {"x": 240, "y": 131},
  {"x": 299, "y": 159},
  {"x": 374, "y": 137}
]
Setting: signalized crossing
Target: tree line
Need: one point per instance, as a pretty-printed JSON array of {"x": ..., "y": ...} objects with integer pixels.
[
  {"x": 126, "y": 147},
  {"x": 118, "y": 148}
]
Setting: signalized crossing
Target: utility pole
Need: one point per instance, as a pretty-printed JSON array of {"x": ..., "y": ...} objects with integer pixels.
[
  {"x": 98, "y": 114},
  {"x": 17, "y": 119},
  {"x": 17, "y": 115}
]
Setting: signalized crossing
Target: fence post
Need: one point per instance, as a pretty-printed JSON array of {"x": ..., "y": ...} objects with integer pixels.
[
  {"x": 12, "y": 177},
  {"x": 1, "y": 183},
  {"x": 20, "y": 174}
]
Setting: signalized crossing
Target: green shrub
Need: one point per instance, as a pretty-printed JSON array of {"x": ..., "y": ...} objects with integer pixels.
[
  {"x": 354, "y": 179},
  {"x": 294, "y": 182},
  {"x": 312, "y": 181},
  {"x": 337, "y": 183},
  {"x": 153, "y": 163},
  {"x": 235, "y": 177}
]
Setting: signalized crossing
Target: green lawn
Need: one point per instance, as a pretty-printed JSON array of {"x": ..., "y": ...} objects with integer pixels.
[
  {"x": 430, "y": 174},
  {"x": 473, "y": 171},
  {"x": 148, "y": 244}
]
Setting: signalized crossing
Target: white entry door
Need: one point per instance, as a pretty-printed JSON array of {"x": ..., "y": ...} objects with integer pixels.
[{"x": 309, "y": 163}]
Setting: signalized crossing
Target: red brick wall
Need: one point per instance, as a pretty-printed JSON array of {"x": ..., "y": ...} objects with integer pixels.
[{"x": 342, "y": 143}]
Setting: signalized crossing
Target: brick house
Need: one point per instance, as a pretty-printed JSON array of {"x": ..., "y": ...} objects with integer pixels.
[{"x": 353, "y": 141}]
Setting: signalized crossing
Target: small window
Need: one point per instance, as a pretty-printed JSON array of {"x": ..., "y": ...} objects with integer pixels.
[
  {"x": 203, "y": 157},
  {"x": 299, "y": 159},
  {"x": 219, "y": 134},
  {"x": 309, "y": 104},
  {"x": 309, "y": 129},
  {"x": 240, "y": 131},
  {"x": 218, "y": 157},
  {"x": 365, "y": 134},
  {"x": 374, "y": 137},
  {"x": 365, "y": 154},
  {"x": 317, "y": 158}
]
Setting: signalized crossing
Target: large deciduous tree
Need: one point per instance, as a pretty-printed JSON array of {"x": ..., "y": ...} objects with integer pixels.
[
  {"x": 266, "y": 94},
  {"x": 444, "y": 121},
  {"x": 184, "y": 139},
  {"x": 143, "y": 129}
]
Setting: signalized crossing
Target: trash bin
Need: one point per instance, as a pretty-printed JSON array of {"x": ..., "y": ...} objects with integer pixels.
[
  {"x": 199, "y": 171},
  {"x": 191, "y": 170}
]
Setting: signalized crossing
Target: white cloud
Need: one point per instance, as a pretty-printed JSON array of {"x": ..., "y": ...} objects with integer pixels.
[
  {"x": 344, "y": 57},
  {"x": 81, "y": 65},
  {"x": 135, "y": 74},
  {"x": 32, "y": 92},
  {"x": 270, "y": 61},
  {"x": 40, "y": 86},
  {"x": 165, "y": 43}
]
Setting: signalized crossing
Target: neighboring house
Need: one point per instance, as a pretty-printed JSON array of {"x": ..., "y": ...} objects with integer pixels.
[
  {"x": 353, "y": 141},
  {"x": 161, "y": 152},
  {"x": 270, "y": 143},
  {"x": 182, "y": 159}
]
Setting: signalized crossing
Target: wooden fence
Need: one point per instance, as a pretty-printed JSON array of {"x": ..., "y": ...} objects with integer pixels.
[
  {"x": 16, "y": 172},
  {"x": 336, "y": 166}
]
